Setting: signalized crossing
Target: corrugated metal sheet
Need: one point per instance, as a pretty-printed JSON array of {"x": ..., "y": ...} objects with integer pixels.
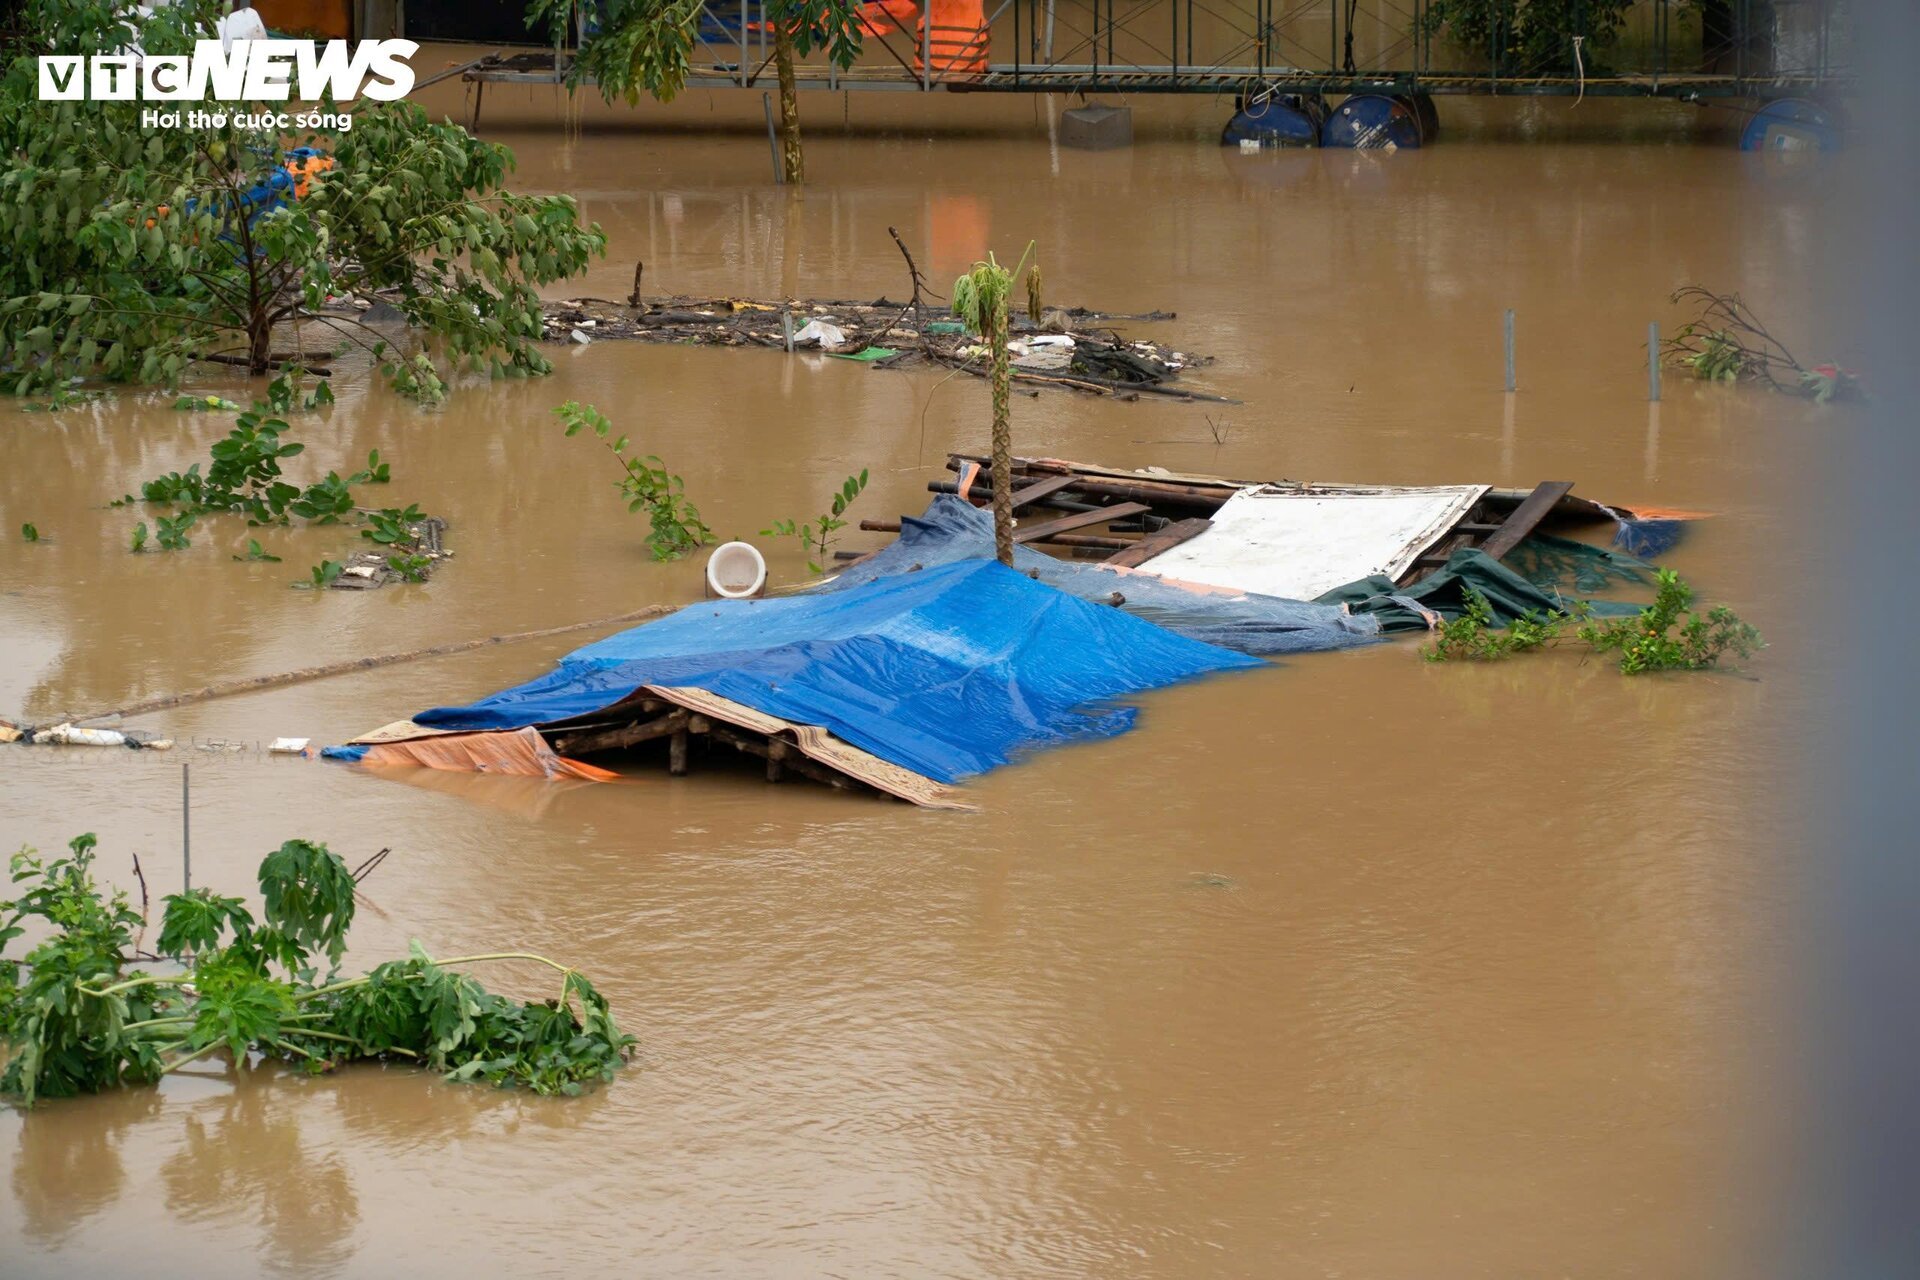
[{"x": 1296, "y": 544}]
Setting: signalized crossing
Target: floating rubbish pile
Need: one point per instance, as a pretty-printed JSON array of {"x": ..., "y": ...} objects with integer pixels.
[{"x": 1072, "y": 347}]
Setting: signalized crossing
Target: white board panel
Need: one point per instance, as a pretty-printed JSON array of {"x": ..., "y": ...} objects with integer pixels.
[{"x": 1298, "y": 543}]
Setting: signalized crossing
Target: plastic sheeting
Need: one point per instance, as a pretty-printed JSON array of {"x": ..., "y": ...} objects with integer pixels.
[
  {"x": 1443, "y": 594},
  {"x": 948, "y": 672},
  {"x": 953, "y": 530}
]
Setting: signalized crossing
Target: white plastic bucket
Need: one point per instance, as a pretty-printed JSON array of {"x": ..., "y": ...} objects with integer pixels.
[{"x": 735, "y": 571}]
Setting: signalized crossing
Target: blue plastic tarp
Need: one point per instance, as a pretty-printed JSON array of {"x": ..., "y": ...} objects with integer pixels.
[
  {"x": 952, "y": 530},
  {"x": 948, "y": 671}
]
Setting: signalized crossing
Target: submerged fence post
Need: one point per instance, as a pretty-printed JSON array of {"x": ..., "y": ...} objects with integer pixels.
[
  {"x": 1653, "y": 361},
  {"x": 786, "y": 329},
  {"x": 1509, "y": 332},
  {"x": 773, "y": 142},
  {"x": 186, "y": 830}
]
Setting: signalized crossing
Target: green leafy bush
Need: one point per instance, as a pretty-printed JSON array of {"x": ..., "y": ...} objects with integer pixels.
[
  {"x": 76, "y": 1019},
  {"x": 1659, "y": 640},
  {"x": 1655, "y": 639},
  {"x": 134, "y": 252}
]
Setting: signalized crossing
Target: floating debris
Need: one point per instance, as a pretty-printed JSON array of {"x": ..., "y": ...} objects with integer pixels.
[{"x": 1071, "y": 348}]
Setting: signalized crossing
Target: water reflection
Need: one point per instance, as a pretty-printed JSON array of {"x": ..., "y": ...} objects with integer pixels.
[
  {"x": 69, "y": 1165},
  {"x": 242, "y": 1157}
]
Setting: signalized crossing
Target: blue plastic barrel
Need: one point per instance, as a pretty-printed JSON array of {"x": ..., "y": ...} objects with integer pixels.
[
  {"x": 1277, "y": 120},
  {"x": 1368, "y": 121},
  {"x": 1791, "y": 124}
]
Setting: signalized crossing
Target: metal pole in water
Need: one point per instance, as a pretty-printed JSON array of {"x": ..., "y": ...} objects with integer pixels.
[
  {"x": 1653, "y": 361},
  {"x": 1509, "y": 328},
  {"x": 773, "y": 143},
  {"x": 186, "y": 830}
]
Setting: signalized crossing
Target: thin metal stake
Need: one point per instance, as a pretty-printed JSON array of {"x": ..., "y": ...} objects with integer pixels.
[
  {"x": 1653, "y": 361},
  {"x": 1509, "y": 327},
  {"x": 186, "y": 829},
  {"x": 773, "y": 145}
]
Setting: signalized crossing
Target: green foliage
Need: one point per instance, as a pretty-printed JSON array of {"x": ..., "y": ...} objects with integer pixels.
[
  {"x": 674, "y": 524},
  {"x": 391, "y": 525},
  {"x": 243, "y": 473},
  {"x": 29, "y": 533},
  {"x": 413, "y": 567},
  {"x": 1472, "y": 635},
  {"x": 645, "y": 47},
  {"x": 817, "y": 535},
  {"x": 1529, "y": 35},
  {"x": 324, "y": 574},
  {"x": 256, "y": 552},
  {"x": 243, "y": 476},
  {"x": 1658, "y": 639},
  {"x": 130, "y": 255},
  {"x": 1719, "y": 357},
  {"x": 1648, "y": 641},
  {"x": 51, "y": 1028},
  {"x": 75, "y": 1018},
  {"x": 171, "y": 531}
]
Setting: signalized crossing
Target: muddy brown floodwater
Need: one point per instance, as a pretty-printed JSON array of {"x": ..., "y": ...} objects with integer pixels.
[{"x": 1354, "y": 966}]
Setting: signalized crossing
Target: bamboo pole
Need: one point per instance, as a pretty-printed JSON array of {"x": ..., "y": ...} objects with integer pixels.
[{"x": 253, "y": 684}]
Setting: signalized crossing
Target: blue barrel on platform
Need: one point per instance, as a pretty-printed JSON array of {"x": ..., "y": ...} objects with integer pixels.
[
  {"x": 1791, "y": 124},
  {"x": 1277, "y": 120},
  {"x": 1369, "y": 121}
]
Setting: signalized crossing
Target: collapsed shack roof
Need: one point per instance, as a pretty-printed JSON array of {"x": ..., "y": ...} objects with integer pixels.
[
  {"x": 925, "y": 661},
  {"x": 1293, "y": 540},
  {"x": 904, "y": 684}
]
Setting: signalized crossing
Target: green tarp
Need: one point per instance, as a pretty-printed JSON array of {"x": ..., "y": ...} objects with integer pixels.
[{"x": 1444, "y": 592}]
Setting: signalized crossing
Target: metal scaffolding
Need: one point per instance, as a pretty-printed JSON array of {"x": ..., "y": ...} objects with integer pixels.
[{"x": 1685, "y": 49}]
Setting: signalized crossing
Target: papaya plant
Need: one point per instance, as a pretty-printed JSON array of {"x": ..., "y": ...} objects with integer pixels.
[{"x": 77, "y": 1018}]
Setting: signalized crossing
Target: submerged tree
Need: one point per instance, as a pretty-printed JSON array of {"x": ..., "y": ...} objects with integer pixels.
[
  {"x": 134, "y": 252},
  {"x": 981, "y": 299},
  {"x": 646, "y": 47}
]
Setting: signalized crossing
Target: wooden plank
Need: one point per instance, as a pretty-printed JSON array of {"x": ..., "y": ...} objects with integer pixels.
[
  {"x": 1078, "y": 520},
  {"x": 621, "y": 736},
  {"x": 1027, "y": 495},
  {"x": 1529, "y": 513},
  {"x": 1154, "y": 543}
]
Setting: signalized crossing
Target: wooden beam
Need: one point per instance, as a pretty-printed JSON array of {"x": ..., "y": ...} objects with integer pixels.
[
  {"x": 1079, "y": 520},
  {"x": 1155, "y": 543},
  {"x": 1528, "y": 514},
  {"x": 620, "y": 736}
]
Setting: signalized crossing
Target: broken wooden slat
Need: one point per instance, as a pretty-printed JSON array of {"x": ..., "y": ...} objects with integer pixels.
[
  {"x": 1528, "y": 514},
  {"x": 1078, "y": 520},
  {"x": 1027, "y": 495},
  {"x": 1155, "y": 543}
]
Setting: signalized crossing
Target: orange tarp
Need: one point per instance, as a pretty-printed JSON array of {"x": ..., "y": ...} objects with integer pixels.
[{"x": 520, "y": 753}]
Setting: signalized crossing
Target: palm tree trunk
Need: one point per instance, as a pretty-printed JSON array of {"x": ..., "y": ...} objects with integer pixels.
[
  {"x": 1002, "y": 437},
  {"x": 792, "y": 165}
]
